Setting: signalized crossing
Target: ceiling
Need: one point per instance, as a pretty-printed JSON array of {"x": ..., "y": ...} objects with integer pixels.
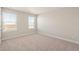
[{"x": 35, "y": 10}]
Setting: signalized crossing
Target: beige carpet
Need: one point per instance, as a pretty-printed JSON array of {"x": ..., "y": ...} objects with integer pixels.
[{"x": 37, "y": 42}]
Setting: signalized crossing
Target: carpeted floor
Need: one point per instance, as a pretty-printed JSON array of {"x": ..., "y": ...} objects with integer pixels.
[{"x": 37, "y": 42}]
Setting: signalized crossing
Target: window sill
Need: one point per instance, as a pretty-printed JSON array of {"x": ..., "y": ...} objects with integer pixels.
[{"x": 10, "y": 31}]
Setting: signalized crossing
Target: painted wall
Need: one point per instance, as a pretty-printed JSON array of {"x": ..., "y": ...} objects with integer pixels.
[
  {"x": 63, "y": 22},
  {"x": 22, "y": 25}
]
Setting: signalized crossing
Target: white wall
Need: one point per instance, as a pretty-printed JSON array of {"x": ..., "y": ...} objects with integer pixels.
[
  {"x": 22, "y": 25},
  {"x": 62, "y": 23}
]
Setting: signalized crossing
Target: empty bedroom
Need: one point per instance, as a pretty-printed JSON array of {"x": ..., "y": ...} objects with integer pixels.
[{"x": 39, "y": 28}]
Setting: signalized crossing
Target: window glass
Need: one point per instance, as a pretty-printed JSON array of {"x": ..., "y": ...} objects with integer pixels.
[
  {"x": 31, "y": 22},
  {"x": 9, "y": 22}
]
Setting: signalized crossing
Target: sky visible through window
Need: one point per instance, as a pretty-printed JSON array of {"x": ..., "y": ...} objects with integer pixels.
[
  {"x": 31, "y": 20},
  {"x": 9, "y": 18}
]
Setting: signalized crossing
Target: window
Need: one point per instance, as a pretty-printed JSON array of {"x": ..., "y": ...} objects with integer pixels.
[
  {"x": 0, "y": 23},
  {"x": 9, "y": 21},
  {"x": 0, "y": 20},
  {"x": 31, "y": 22}
]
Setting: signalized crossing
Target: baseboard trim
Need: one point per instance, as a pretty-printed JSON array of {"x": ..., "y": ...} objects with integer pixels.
[{"x": 54, "y": 36}]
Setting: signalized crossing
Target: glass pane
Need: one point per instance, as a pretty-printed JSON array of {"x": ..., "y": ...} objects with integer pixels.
[
  {"x": 0, "y": 19},
  {"x": 0, "y": 25},
  {"x": 9, "y": 21},
  {"x": 31, "y": 21}
]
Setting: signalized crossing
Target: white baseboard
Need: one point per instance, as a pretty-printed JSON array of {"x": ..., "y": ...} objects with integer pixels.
[{"x": 54, "y": 36}]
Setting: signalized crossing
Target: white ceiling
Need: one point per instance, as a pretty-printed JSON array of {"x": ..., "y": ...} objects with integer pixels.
[{"x": 35, "y": 10}]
